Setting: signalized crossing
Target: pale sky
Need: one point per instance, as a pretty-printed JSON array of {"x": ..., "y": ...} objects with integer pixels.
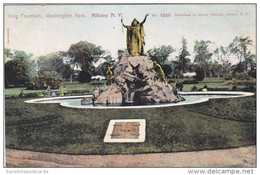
[{"x": 43, "y": 35}]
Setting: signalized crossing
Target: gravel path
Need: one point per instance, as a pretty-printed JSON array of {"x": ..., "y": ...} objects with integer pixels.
[{"x": 237, "y": 157}]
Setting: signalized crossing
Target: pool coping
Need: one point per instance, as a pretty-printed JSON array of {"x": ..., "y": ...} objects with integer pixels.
[{"x": 236, "y": 94}]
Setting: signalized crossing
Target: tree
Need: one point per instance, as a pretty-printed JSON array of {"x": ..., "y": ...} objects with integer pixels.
[
  {"x": 167, "y": 70},
  {"x": 239, "y": 48},
  {"x": 102, "y": 68},
  {"x": 182, "y": 58},
  {"x": 200, "y": 75},
  {"x": 69, "y": 66},
  {"x": 120, "y": 53},
  {"x": 201, "y": 50},
  {"x": 160, "y": 54},
  {"x": 223, "y": 56},
  {"x": 53, "y": 65},
  {"x": 202, "y": 55},
  {"x": 84, "y": 54},
  {"x": 8, "y": 55},
  {"x": 18, "y": 70}
]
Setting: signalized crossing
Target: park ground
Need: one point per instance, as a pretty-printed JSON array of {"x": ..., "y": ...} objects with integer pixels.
[
  {"x": 215, "y": 125},
  {"x": 237, "y": 157}
]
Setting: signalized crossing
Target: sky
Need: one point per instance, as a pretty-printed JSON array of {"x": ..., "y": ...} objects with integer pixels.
[{"x": 28, "y": 28}]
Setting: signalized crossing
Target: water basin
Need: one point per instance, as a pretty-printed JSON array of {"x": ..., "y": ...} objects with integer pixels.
[{"x": 191, "y": 98}]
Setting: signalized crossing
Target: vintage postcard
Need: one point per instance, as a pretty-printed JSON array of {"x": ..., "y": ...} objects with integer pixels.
[{"x": 130, "y": 85}]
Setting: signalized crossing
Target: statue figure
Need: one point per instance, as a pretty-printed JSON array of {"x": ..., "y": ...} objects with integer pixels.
[
  {"x": 48, "y": 91},
  {"x": 62, "y": 90},
  {"x": 159, "y": 72},
  {"x": 109, "y": 75},
  {"x": 135, "y": 37}
]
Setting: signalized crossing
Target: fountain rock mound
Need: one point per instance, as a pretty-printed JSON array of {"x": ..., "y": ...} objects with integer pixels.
[{"x": 134, "y": 83}]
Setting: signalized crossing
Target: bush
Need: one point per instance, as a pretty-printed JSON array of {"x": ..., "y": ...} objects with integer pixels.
[
  {"x": 199, "y": 74},
  {"x": 171, "y": 81},
  {"x": 249, "y": 89},
  {"x": 194, "y": 88},
  {"x": 228, "y": 77},
  {"x": 190, "y": 81},
  {"x": 236, "y": 82},
  {"x": 84, "y": 77},
  {"x": 79, "y": 92},
  {"x": 96, "y": 82},
  {"x": 167, "y": 70},
  {"x": 42, "y": 82},
  {"x": 242, "y": 76}
]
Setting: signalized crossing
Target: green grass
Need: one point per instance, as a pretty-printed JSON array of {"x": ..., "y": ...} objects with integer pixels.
[
  {"x": 80, "y": 86},
  {"x": 17, "y": 91},
  {"x": 87, "y": 88},
  {"x": 217, "y": 124},
  {"x": 216, "y": 83},
  {"x": 75, "y": 86}
]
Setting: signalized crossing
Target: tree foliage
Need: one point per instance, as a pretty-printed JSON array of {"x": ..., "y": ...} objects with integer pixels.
[
  {"x": 182, "y": 59},
  {"x": 41, "y": 82},
  {"x": 240, "y": 48},
  {"x": 201, "y": 50},
  {"x": 53, "y": 65},
  {"x": 18, "y": 70},
  {"x": 84, "y": 54},
  {"x": 200, "y": 75},
  {"x": 160, "y": 54}
]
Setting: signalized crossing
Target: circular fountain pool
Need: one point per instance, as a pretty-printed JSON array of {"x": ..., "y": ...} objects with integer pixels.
[{"x": 191, "y": 98}]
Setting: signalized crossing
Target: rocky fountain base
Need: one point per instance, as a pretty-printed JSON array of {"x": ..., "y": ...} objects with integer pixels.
[{"x": 134, "y": 83}]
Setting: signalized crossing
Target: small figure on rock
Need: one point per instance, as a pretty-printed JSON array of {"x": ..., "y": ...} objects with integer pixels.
[
  {"x": 159, "y": 72},
  {"x": 135, "y": 37},
  {"x": 48, "y": 91},
  {"x": 62, "y": 90},
  {"x": 109, "y": 75},
  {"x": 179, "y": 85},
  {"x": 205, "y": 88},
  {"x": 21, "y": 95}
]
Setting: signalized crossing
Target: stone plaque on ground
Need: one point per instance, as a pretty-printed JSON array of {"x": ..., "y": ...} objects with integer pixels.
[{"x": 125, "y": 130}]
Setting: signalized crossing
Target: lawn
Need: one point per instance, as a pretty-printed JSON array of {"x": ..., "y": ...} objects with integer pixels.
[
  {"x": 216, "y": 124},
  {"x": 214, "y": 83},
  {"x": 71, "y": 87}
]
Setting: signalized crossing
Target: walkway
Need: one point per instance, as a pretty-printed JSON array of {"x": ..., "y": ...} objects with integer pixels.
[{"x": 237, "y": 157}]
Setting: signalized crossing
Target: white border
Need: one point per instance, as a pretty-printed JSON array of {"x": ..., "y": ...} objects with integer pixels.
[{"x": 110, "y": 128}]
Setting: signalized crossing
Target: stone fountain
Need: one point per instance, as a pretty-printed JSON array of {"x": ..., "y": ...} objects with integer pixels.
[
  {"x": 136, "y": 78},
  {"x": 134, "y": 82}
]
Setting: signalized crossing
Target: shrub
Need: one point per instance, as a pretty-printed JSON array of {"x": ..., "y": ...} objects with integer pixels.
[
  {"x": 190, "y": 81},
  {"x": 228, "y": 77},
  {"x": 97, "y": 82},
  {"x": 194, "y": 88},
  {"x": 167, "y": 70},
  {"x": 199, "y": 74},
  {"x": 249, "y": 89},
  {"x": 84, "y": 77},
  {"x": 242, "y": 76},
  {"x": 245, "y": 82},
  {"x": 171, "y": 81},
  {"x": 79, "y": 92},
  {"x": 42, "y": 82},
  {"x": 234, "y": 88}
]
